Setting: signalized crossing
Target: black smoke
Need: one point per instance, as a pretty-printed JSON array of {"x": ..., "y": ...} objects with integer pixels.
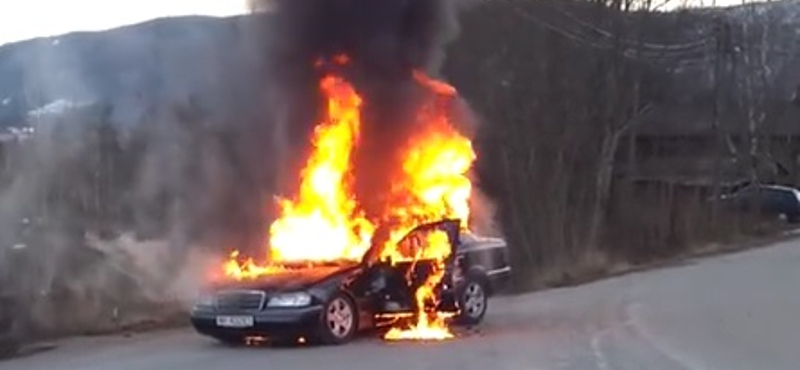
[{"x": 385, "y": 41}]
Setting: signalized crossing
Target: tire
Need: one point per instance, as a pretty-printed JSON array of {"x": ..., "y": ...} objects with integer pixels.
[
  {"x": 473, "y": 301},
  {"x": 338, "y": 321}
]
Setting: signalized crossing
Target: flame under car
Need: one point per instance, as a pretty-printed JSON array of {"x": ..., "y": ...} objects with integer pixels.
[{"x": 330, "y": 303}]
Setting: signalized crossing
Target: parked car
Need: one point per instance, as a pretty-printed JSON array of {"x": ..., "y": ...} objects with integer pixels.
[
  {"x": 332, "y": 302},
  {"x": 766, "y": 200}
]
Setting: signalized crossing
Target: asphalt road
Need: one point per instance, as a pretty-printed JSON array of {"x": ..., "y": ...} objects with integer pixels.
[{"x": 739, "y": 311}]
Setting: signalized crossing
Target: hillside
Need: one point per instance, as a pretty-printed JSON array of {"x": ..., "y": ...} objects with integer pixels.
[
  {"x": 135, "y": 68},
  {"x": 212, "y": 61}
]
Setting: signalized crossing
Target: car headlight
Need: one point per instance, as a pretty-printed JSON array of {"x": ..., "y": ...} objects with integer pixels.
[
  {"x": 299, "y": 299},
  {"x": 205, "y": 300}
]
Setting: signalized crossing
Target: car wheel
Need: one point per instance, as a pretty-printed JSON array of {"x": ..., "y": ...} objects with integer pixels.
[
  {"x": 473, "y": 300},
  {"x": 339, "y": 320}
]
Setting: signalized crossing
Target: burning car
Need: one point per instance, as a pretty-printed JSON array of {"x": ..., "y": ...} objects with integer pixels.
[
  {"x": 374, "y": 236},
  {"x": 332, "y": 302}
]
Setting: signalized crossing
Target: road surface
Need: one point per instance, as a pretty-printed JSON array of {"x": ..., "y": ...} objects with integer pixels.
[{"x": 739, "y": 311}]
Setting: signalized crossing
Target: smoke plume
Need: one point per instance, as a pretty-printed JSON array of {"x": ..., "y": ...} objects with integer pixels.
[{"x": 384, "y": 42}]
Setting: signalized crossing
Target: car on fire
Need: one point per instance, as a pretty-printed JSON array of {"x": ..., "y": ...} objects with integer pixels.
[{"x": 330, "y": 303}]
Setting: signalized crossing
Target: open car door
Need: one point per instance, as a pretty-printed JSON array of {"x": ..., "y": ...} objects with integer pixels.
[{"x": 418, "y": 255}]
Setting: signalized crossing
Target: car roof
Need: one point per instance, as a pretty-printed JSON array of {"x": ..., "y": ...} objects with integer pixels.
[
  {"x": 470, "y": 238},
  {"x": 773, "y": 187}
]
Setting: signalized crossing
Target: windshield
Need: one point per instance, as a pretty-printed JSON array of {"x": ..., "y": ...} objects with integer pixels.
[
  {"x": 299, "y": 265},
  {"x": 412, "y": 242}
]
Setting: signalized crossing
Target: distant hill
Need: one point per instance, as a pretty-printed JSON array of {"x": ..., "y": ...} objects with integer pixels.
[
  {"x": 132, "y": 68},
  {"x": 216, "y": 62}
]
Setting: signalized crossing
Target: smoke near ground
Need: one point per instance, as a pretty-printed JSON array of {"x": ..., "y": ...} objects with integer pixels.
[
  {"x": 107, "y": 222},
  {"x": 75, "y": 256}
]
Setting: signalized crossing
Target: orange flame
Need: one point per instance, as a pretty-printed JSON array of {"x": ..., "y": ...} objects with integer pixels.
[
  {"x": 429, "y": 324},
  {"x": 439, "y": 87},
  {"x": 434, "y": 185},
  {"x": 435, "y": 173},
  {"x": 341, "y": 59},
  {"x": 324, "y": 221},
  {"x": 247, "y": 268}
]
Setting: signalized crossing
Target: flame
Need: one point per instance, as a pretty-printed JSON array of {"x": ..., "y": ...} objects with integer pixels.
[
  {"x": 435, "y": 174},
  {"x": 247, "y": 268},
  {"x": 341, "y": 59},
  {"x": 434, "y": 185},
  {"x": 437, "y": 86},
  {"x": 429, "y": 324},
  {"x": 324, "y": 222}
]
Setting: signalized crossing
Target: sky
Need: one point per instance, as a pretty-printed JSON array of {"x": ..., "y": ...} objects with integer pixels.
[{"x": 25, "y": 19}]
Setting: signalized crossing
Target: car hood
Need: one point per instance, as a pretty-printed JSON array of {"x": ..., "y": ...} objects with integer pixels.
[{"x": 289, "y": 280}]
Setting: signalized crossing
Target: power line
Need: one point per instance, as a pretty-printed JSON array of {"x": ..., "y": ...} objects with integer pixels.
[
  {"x": 631, "y": 52},
  {"x": 701, "y": 43}
]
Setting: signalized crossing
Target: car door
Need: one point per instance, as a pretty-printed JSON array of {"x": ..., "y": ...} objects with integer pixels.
[
  {"x": 784, "y": 202},
  {"x": 747, "y": 198},
  {"x": 394, "y": 281}
]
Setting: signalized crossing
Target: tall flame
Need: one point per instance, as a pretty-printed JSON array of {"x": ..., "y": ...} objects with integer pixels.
[
  {"x": 429, "y": 324},
  {"x": 324, "y": 221},
  {"x": 434, "y": 185}
]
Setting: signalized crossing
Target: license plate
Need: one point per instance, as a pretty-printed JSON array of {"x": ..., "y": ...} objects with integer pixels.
[{"x": 235, "y": 321}]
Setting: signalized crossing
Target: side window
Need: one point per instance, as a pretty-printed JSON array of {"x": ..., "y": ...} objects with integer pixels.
[
  {"x": 770, "y": 198},
  {"x": 748, "y": 192},
  {"x": 425, "y": 243},
  {"x": 777, "y": 199},
  {"x": 411, "y": 244},
  {"x": 745, "y": 197},
  {"x": 787, "y": 198}
]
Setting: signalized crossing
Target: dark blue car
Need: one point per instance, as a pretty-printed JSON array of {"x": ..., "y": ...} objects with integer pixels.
[{"x": 767, "y": 200}]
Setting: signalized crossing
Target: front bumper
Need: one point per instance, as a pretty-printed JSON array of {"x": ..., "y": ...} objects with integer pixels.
[{"x": 270, "y": 323}]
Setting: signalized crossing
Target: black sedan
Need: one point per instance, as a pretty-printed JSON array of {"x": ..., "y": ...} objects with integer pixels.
[{"x": 332, "y": 302}]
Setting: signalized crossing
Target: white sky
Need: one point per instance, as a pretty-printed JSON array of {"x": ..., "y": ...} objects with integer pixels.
[
  {"x": 689, "y": 3},
  {"x": 25, "y": 19}
]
